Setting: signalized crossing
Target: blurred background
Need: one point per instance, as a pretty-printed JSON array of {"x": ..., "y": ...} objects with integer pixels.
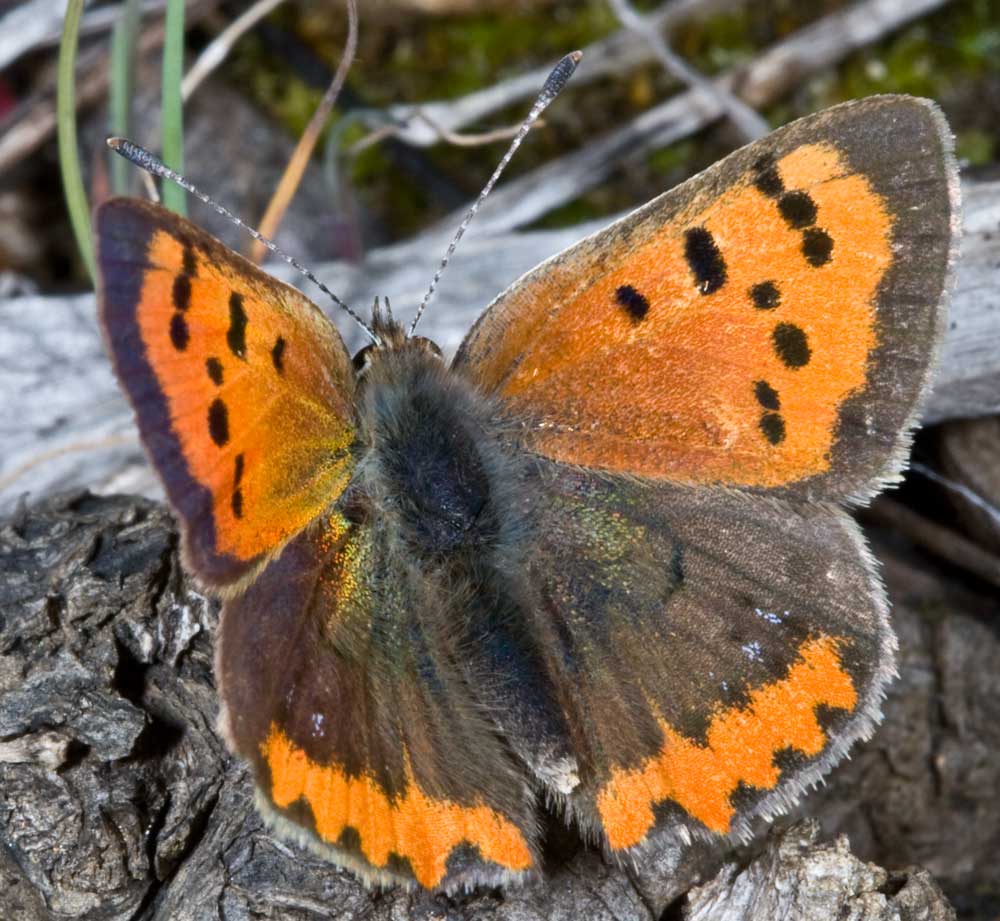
[{"x": 404, "y": 147}]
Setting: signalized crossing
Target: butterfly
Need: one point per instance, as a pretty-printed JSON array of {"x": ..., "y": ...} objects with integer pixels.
[{"x": 602, "y": 558}]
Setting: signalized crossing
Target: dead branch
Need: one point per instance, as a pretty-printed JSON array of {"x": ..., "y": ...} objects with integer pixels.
[{"x": 120, "y": 801}]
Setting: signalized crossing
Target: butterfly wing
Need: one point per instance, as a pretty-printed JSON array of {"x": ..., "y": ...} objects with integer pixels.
[
  {"x": 718, "y": 652},
  {"x": 242, "y": 388},
  {"x": 353, "y": 693},
  {"x": 770, "y": 323}
]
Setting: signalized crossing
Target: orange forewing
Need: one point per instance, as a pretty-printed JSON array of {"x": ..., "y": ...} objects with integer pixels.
[
  {"x": 677, "y": 391},
  {"x": 241, "y": 386}
]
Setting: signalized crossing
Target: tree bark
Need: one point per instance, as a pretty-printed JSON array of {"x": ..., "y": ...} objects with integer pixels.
[{"x": 119, "y": 800}]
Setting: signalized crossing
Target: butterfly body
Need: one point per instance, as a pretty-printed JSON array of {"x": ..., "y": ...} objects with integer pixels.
[
  {"x": 432, "y": 459},
  {"x": 600, "y": 559}
]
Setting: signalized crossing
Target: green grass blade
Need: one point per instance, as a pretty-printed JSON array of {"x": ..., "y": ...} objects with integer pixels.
[
  {"x": 123, "y": 45},
  {"x": 69, "y": 154},
  {"x": 172, "y": 142}
]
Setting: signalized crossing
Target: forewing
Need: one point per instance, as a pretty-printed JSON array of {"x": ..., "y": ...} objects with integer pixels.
[
  {"x": 241, "y": 387},
  {"x": 348, "y": 687},
  {"x": 717, "y": 652},
  {"x": 769, "y": 323}
]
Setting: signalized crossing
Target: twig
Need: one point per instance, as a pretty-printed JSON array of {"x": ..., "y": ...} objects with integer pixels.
[
  {"x": 747, "y": 121},
  {"x": 292, "y": 176},
  {"x": 217, "y": 50},
  {"x": 960, "y": 489},
  {"x": 455, "y": 138}
]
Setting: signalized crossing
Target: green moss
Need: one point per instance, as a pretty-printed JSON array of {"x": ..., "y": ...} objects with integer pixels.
[
  {"x": 449, "y": 56},
  {"x": 575, "y": 212},
  {"x": 670, "y": 159},
  {"x": 959, "y": 44},
  {"x": 977, "y": 148}
]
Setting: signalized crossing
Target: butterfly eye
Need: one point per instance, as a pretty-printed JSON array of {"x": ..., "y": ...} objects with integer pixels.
[{"x": 361, "y": 360}]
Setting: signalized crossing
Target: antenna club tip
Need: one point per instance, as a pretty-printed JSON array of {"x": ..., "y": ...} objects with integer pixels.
[
  {"x": 559, "y": 76},
  {"x": 115, "y": 143}
]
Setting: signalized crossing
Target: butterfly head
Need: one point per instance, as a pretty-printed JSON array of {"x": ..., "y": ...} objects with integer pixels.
[{"x": 392, "y": 339}]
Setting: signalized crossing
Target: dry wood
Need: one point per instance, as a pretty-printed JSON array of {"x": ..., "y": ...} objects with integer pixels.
[
  {"x": 120, "y": 802},
  {"x": 797, "y": 878},
  {"x": 750, "y": 124}
]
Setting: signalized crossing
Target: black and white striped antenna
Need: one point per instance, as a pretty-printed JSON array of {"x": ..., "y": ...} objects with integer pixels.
[
  {"x": 554, "y": 84},
  {"x": 152, "y": 164}
]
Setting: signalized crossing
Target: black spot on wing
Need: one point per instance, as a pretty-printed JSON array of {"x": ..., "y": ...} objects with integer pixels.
[
  {"x": 278, "y": 355},
  {"x": 798, "y": 209},
  {"x": 704, "y": 259},
  {"x": 635, "y": 305},
  {"x": 767, "y": 178},
  {"x": 766, "y": 395},
  {"x": 189, "y": 264},
  {"x": 773, "y": 427},
  {"x": 236, "y": 336},
  {"x": 218, "y": 422},
  {"x": 181, "y": 293},
  {"x": 214, "y": 368},
  {"x": 765, "y": 296},
  {"x": 237, "y": 498},
  {"x": 817, "y": 246},
  {"x": 179, "y": 333},
  {"x": 677, "y": 574},
  {"x": 791, "y": 345}
]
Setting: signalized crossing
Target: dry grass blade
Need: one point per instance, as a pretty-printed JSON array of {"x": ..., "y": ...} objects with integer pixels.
[
  {"x": 455, "y": 138},
  {"x": 292, "y": 176},
  {"x": 69, "y": 154}
]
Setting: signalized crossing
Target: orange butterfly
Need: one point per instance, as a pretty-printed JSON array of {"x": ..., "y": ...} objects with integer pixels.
[{"x": 601, "y": 558}]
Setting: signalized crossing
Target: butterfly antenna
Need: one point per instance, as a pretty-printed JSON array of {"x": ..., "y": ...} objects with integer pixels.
[
  {"x": 554, "y": 85},
  {"x": 152, "y": 164}
]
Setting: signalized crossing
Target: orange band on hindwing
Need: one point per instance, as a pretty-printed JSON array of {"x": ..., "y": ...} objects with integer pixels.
[
  {"x": 415, "y": 826},
  {"x": 740, "y": 747}
]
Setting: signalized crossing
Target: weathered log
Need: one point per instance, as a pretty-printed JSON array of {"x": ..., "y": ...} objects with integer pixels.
[{"x": 120, "y": 801}]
